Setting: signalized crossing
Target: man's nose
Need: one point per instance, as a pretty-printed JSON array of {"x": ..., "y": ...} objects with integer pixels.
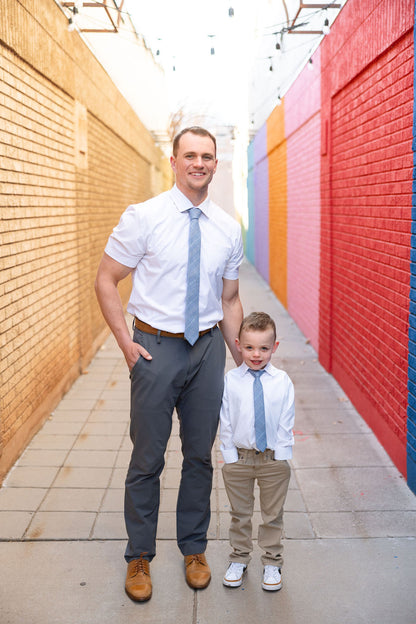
[{"x": 198, "y": 162}]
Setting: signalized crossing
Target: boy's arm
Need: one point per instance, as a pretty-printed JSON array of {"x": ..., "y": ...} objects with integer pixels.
[
  {"x": 285, "y": 438},
  {"x": 228, "y": 450}
]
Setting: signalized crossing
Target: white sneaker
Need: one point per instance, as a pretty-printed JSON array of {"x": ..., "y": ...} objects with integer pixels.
[
  {"x": 272, "y": 580},
  {"x": 234, "y": 575}
]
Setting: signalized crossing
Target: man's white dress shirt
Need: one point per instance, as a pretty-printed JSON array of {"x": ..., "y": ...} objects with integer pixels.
[
  {"x": 152, "y": 239},
  {"x": 237, "y": 412}
]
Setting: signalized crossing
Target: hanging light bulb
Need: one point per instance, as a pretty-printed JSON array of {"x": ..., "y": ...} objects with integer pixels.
[
  {"x": 231, "y": 12},
  {"x": 72, "y": 20},
  {"x": 279, "y": 44},
  {"x": 212, "y": 51},
  {"x": 325, "y": 27}
]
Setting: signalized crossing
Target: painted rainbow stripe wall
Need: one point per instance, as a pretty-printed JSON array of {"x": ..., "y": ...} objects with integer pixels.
[
  {"x": 330, "y": 214},
  {"x": 283, "y": 241}
]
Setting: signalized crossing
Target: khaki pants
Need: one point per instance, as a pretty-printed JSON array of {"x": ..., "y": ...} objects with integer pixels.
[{"x": 273, "y": 480}]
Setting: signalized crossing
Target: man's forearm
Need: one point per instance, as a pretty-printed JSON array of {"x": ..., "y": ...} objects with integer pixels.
[
  {"x": 230, "y": 325},
  {"x": 109, "y": 274},
  {"x": 112, "y": 309}
]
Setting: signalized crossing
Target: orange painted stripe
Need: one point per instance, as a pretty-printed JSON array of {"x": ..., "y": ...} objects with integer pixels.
[{"x": 277, "y": 154}]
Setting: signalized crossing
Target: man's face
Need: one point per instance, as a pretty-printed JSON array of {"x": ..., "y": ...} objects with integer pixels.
[{"x": 194, "y": 164}]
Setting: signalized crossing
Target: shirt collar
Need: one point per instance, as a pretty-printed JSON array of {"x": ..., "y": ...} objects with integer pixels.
[
  {"x": 182, "y": 203},
  {"x": 269, "y": 368}
]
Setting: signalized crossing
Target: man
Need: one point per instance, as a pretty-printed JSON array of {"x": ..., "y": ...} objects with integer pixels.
[{"x": 169, "y": 367}]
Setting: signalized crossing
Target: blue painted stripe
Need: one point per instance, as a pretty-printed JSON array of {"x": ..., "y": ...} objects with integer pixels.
[
  {"x": 411, "y": 411},
  {"x": 412, "y": 429},
  {"x": 249, "y": 239},
  {"x": 411, "y": 445}
]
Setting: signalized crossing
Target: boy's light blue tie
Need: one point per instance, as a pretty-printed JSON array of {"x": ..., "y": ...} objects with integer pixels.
[
  {"x": 259, "y": 414},
  {"x": 192, "y": 278}
]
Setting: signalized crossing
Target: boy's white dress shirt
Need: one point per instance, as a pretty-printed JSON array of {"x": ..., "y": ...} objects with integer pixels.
[{"x": 237, "y": 412}]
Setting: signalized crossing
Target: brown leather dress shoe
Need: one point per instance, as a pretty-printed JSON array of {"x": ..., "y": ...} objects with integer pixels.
[
  {"x": 138, "y": 583},
  {"x": 198, "y": 574}
]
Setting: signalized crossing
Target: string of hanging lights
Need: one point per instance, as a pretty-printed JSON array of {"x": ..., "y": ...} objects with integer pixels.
[{"x": 114, "y": 8}]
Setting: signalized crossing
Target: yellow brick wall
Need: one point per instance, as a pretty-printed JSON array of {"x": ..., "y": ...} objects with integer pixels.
[{"x": 73, "y": 156}]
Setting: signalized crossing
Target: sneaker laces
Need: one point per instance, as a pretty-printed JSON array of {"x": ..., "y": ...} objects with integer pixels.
[
  {"x": 235, "y": 569},
  {"x": 272, "y": 572}
]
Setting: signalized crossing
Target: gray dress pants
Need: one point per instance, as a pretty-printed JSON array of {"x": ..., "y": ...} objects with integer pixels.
[{"x": 190, "y": 379}]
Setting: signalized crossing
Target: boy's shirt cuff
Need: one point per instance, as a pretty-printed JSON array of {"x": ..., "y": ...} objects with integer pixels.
[
  {"x": 283, "y": 452},
  {"x": 230, "y": 455}
]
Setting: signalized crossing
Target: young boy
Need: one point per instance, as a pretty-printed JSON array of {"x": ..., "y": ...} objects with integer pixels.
[{"x": 256, "y": 444}]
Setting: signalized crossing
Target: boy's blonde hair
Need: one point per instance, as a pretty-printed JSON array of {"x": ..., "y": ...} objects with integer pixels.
[{"x": 258, "y": 321}]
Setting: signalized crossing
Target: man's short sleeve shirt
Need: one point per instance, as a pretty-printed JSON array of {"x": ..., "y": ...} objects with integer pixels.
[{"x": 152, "y": 239}]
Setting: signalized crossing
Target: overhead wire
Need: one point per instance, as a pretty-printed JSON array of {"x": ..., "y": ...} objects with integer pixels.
[
  {"x": 280, "y": 28},
  {"x": 281, "y": 88}
]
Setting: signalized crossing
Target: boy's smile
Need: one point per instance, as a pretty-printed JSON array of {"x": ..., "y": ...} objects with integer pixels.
[{"x": 257, "y": 347}]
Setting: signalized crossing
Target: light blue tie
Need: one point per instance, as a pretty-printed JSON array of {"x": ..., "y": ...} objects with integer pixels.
[
  {"x": 259, "y": 414},
  {"x": 192, "y": 278}
]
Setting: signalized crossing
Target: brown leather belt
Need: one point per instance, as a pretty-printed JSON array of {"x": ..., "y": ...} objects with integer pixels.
[{"x": 148, "y": 329}]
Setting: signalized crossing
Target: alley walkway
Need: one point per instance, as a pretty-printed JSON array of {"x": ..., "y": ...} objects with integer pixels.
[{"x": 350, "y": 522}]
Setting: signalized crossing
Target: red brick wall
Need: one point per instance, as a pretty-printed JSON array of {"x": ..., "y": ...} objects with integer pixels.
[{"x": 366, "y": 210}]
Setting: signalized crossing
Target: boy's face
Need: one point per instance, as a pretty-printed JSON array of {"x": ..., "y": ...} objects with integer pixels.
[{"x": 257, "y": 347}]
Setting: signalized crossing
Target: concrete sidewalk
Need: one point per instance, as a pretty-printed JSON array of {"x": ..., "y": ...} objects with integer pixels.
[{"x": 350, "y": 522}]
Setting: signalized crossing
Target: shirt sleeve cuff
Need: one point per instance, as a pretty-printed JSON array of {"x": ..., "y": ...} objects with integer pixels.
[
  {"x": 283, "y": 452},
  {"x": 230, "y": 455},
  {"x": 118, "y": 255}
]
